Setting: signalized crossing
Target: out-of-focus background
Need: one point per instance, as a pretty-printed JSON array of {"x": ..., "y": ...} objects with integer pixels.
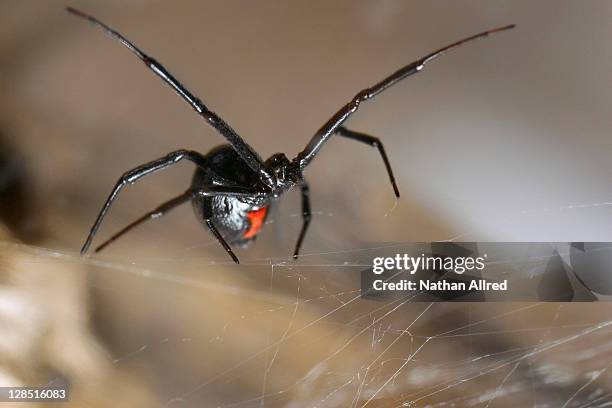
[{"x": 505, "y": 139}]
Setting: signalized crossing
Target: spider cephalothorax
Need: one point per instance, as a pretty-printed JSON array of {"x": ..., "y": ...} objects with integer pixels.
[
  {"x": 286, "y": 174},
  {"x": 232, "y": 187}
]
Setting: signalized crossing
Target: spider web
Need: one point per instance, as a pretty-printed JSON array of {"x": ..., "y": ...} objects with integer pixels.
[{"x": 277, "y": 333}]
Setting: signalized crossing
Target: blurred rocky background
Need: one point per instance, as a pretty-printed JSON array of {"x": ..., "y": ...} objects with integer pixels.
[{"x": 505, "y": 139}]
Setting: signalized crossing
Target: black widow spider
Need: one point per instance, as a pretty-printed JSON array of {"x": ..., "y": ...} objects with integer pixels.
[{"x": 232, "y": 188}]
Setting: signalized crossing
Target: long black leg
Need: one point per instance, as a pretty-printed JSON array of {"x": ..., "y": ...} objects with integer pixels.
[
  {"x": 160, "y": 211},
  {"x": 246, "y": 152},
  {"x": 134, "y": 175},
  {"x": 330, "y": 127},
  {"x": 374, "y": 142},
  {"x": 164, "y": 208},
  {"x": 306, "y": 216},
  {"x": 221, "y": 240}
]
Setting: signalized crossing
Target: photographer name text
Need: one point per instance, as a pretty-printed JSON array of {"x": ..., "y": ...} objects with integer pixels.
[{"x": 440, "y": 285}]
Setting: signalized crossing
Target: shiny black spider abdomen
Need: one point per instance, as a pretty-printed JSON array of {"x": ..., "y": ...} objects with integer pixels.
[
  {"x": 232, "y": 187},
  {"x": 238, "y": 219}
]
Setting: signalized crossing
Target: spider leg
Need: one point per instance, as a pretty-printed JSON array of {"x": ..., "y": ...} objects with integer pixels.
[
  {"x": 246, "y": 152},
  {"x": 374, "y": 142},
  {"x": 136, "y": 174},
  {"x": 164, "y": 208},
  {"x": 160, "y": 211},
  {"x": 235, "y": 191},
  {"x": 306, "y": 216},
  {"x": 221, "y": 240},
  {"x": 330, "y": 127}
]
